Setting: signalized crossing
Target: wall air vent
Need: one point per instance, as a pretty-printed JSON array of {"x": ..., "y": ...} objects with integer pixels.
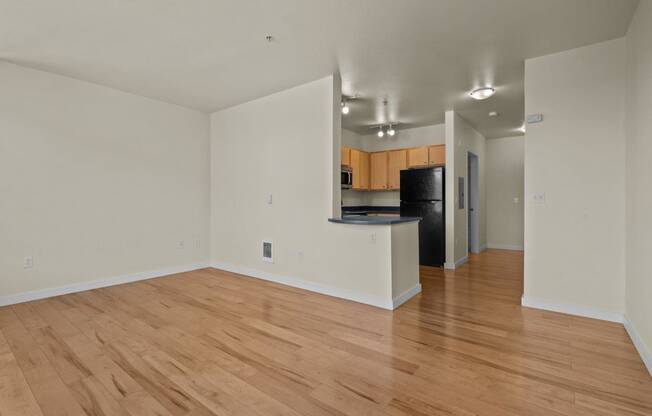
[{"x": 267, "y": 252}]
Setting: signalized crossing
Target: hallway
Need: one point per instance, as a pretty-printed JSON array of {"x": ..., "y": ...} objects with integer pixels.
[{"x": 527, "y": 358}]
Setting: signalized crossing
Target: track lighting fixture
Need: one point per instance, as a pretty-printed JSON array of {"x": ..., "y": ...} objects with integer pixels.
[{"x": 385, "y": 129}]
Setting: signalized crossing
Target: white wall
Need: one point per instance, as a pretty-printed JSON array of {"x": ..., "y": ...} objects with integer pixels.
[
  {"x": 414, "y": 137},
  {"x": 461, "y": 139},
  {"x": 639, "y": 172},
  {"x": 575, "y": 241},
  {"x": 352, "y": 139},
  {"x": 96, "y": 183},
  {"x": 257, "y": 148},
  {"x": 505, "y": 183}
]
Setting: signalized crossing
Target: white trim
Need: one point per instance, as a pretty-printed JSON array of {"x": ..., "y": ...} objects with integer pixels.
[
  {"x": 459, "y": 263},
  {"x": 94, "y": 284},
  {"x": 573, "y": 310},
  {"x": 643, "y": 350},
  {"x": 407, "y": 295},
  {"x": 512, "y": 247},
  {"x": 377, "y": 301}
]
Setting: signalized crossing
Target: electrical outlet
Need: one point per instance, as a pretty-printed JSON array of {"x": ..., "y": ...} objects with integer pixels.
[
  {"x": 28, "y": 262},
  {"x": 270, "y": 199},
  {"x": 181, "y": 245},
  {"x": 516, "y": 200}
]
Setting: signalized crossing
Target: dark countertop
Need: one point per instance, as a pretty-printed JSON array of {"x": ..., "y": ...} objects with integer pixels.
[{"x": 373, "y": 220}]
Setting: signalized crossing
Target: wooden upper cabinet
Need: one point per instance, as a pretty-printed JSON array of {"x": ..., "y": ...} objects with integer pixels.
[
  {"x": 397, "y": 161},
  {"x": 381, "y": 171},
  {"x": 378, "y": 171},
  {"x": 417, "y": 157},
  {"x": 346, "y": 156},
  {"x": 360, "y": 169},
  {"x": 364, "y": 170},
  {"x": 437, "y": 155}
]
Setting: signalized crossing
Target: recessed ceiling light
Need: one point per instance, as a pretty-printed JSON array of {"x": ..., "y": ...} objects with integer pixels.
[
  {"x": 493, "y": 114},
  {"x": 391, "y": 130},
  {"x": 381, "y": 133},
  {"x": 482, "y": 93}
]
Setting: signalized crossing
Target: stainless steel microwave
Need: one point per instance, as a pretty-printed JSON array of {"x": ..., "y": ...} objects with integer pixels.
[{"x": 346, "y": 178}]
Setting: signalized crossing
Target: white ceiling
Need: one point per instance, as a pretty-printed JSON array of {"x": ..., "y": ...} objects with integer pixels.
[{"x": 422, "y": 55}]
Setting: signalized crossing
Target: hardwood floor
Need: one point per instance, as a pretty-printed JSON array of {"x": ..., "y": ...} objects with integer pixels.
[{"x": 212, "y": 343}]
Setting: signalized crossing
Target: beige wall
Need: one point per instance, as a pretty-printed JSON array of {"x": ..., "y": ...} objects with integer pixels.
[
  {"x": 462, "y": 138},
  {"x": 96, "y": 183},
  {"x": 505, "y": 185},
  {"x": 283, "y": 145},
  {"x": 575, "y": 241},
  {"x": 639, "y": 172}
]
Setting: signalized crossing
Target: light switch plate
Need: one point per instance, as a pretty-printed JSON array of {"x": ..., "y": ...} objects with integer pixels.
[
  {"x": 539, "y": 197},
  {"x": 28, "y": 262}
]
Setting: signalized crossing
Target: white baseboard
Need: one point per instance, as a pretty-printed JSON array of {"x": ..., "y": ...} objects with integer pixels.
[
  {"x": 458, "y": 263},
  {"x": 512, "y": 247},
  {"x": 94, "y": 284},
  {"x": 573, "y": 310},
  {"x": 643, "y": 350},
  {"x": 407, "y": 295},
  {"x": 307, "y": 285}
]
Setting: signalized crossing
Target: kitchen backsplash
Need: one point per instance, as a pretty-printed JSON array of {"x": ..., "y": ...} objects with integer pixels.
[{"x": 371, "y": 198}]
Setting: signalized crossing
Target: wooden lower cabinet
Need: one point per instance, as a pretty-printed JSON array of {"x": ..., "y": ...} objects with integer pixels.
[
  {"x": 397, "y": 161},
  {"x": 378, "y": 171}
]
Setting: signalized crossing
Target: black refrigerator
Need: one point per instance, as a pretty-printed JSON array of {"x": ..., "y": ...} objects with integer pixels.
[{"x": 422, "y": 195}]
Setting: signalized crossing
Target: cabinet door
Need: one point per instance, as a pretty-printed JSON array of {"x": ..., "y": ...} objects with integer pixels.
[
  {"x": 355, "y": 168},
  {"x": 379, "y": 171},
  {"x": 397, "y": 161},
  {"x": 346, "y": 156},
  {"x": 437, "y": 155},
  {"x": 417, "y": 157},
  {"x": 364, "y": 170},
  {"x": 360, "y": 169}
]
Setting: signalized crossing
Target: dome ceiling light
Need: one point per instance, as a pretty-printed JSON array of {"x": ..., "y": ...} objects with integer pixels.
[{"x": 482, "y": 93}]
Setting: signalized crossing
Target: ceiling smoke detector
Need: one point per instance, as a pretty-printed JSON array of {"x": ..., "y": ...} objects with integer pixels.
[{"x": 493, "y": 114}]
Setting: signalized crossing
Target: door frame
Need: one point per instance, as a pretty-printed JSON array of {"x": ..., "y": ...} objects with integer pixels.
[{"x": 473, "y": 203}]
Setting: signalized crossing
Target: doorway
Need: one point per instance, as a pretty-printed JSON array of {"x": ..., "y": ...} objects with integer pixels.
[{"x": 473, "y": 192}]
